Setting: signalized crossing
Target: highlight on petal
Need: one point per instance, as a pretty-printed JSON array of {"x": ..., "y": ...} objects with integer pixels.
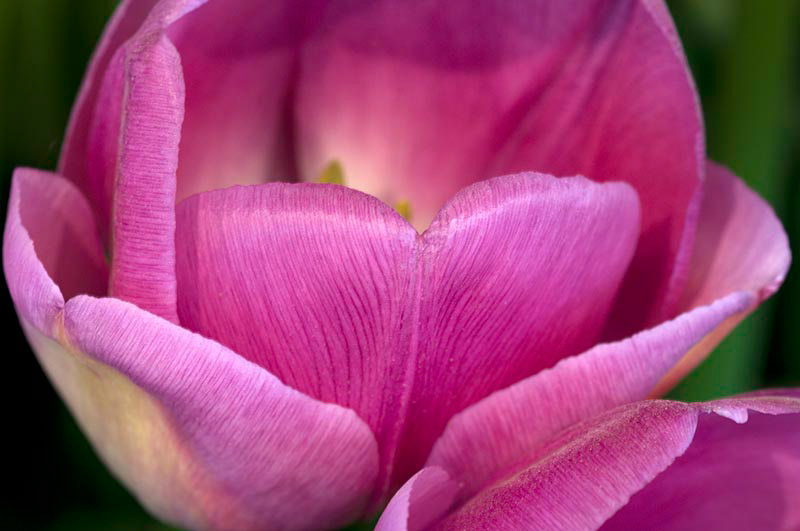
[
  {"x": 519, "y": 272},
  {"x": 737, "y": 476},
  {"x": 740, "y": 247},
  {"x": 420, "y": 99},
  {"x": 203, "y": 437},
  {"x": 423, "y": 500},
  {"x": 504, "y": 428},
  {"x": 50, "y": 249},
  {"x": 583, "y": 476}
]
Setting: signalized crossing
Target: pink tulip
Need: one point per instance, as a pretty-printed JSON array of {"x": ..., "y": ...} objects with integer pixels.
[
  {"x": 731, "y": 464},
  {"x": 286, "y": 355}
]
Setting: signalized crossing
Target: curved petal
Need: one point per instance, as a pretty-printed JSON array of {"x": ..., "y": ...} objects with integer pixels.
[
  {"x": 520, "y": 272},
  {"x": 740, "y": 247},
  {"x": 736, "y": 476},
  {"x": 50, "y": 248},
  {"x": 662, "y": 465},
  {"x": 336, "y": 294},
  {"x": 584, "y": 475},
  {"x": 511, "y": 424},
  {"x": 315, "y": 282},
  {"x": 423, "y": 500},
  {"x": 204, "y": 438},
  {"x": 419, "y": 99}
]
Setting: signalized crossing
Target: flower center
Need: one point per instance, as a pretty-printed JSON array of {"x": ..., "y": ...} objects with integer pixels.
[{"x": 333, "y": 173}]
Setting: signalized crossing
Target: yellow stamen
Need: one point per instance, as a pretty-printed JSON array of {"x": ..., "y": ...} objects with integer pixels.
[
  {"x": 403, "y": 208},
  {"x": 332, "y": 174}
]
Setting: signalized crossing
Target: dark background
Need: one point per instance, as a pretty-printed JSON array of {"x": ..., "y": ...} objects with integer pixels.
[{"x": 744, "y": 55}]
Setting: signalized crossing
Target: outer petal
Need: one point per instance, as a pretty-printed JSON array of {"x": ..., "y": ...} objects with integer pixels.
[
  {"x": 735, "y": 476},
  {"x": 520, "y": 272},
  {"x": 584, "y": 475},
  {"x": 205, "y": 438},
  {"x": 740, "y": 247},
  {"x": 49, "y": 235},
  {"x": 200, "y": 427},
  {"x": 314, "y": 282},
  {"x": 422, "y": 501},
  {"x": 419, "y": 99},
  {"x": 511, "y": 424}
]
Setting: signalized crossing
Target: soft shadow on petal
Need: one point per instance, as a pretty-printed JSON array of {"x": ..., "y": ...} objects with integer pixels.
[
  {"x": 232, "y": 445},
  {"x": 419, "y": 99},
  {"x": 584, "y": 475},
  {"x": 740, "y": 247},
  {"x": 422, "y": 501},
  {"x": 509, "y": 425},
  {"x": 51, "y": 249},
  {"x": 737, "y": 476},
  {"x": 520, "y": 272}
]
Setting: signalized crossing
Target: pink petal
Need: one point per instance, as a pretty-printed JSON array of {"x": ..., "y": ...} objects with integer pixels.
[
  {"x": 314, "y": 282},
  {"x": 338, "y": 296},
  {"x": 422, "y": 501},
  {"x": 419, "y": 99},
  {"x": 205, "y": 438},
  {"x": 579, "y": 479},
  {"x": 511, "y": 424},
  {"x": 741, "y": 476},
  {"x": 50, "y": 248},
  {"x": 740, "y": 247},
  {"x": 662, "y": 465},
  {"x": 520, "y": 272}
]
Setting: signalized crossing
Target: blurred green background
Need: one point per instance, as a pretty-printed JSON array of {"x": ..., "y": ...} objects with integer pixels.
[{"x": 745, "y": 58}]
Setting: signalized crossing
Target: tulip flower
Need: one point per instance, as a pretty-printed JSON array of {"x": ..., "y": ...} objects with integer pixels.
[
  {"x": 289, "y": 243},
  {"x": 730, "y": 464}
]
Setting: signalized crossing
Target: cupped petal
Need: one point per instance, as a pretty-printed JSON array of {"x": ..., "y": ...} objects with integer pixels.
[
  {"x": 585, "y": 474},
  {"x": 520, "y": 271},
  {"x": 315, "y": 282},
  {"x": 204, "y": 438},
  {"x": 738, "y": 475},
  {"x": 740, "y": 247},
  {"x": 419, "y": 99},
  {"x": 51, "y": 249},
  {"x": 421, "y": 502},
  {"x": 509, "y": 425}
]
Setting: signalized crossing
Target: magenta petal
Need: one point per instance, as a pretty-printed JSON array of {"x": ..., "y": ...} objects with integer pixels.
[
  {"x": 419, "y": 99},
  {"x": 520, "y": 272},
  {"x": 50, "y": 249},
  {"x": 252, "y": 453},
  {"x": 422, "y": 501},
  {"x": 736, "y": 476},
  {"x": 314, "y": 282},
  {"x": 583, "y": 476},
  {"x": 509, "y": 425},
  {"x": 740, "y": 247}
]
